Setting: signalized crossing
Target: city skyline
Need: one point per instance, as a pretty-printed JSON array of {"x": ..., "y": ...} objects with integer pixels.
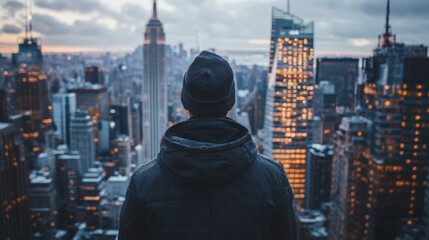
[{"x": 343, "y": 28}]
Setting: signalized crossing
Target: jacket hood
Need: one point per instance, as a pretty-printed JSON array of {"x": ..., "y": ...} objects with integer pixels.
[{"x": 206, "y": 152}]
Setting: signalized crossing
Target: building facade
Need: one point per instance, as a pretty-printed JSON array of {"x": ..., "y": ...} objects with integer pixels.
[
  {"x": 289, "y": 110},
  {"x": 82, "y": 139},
  {"x": 155, "y": 116},
  {"x": 63, "y": 107}
]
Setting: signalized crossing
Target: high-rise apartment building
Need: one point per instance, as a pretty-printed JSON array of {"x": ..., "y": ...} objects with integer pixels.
[
  {"x": 14, "y": 214},
  {"x": 123, "y": 154},
  {"x": 43, "y": 202},
  {"x": 82, "y": 139},
  {"x": 155, "y": 116},
  {"x": 319, "y": 168},
  {"x": 349, "y": 182},
  {"x": 289, "y": 110},
  {"x": 67, "y": 168},
  {"x": 91, "y": 187},
  {"x": 63, "y": 107}
]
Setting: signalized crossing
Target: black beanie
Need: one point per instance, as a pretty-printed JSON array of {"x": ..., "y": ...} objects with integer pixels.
[{"x": 208, "y": 86}]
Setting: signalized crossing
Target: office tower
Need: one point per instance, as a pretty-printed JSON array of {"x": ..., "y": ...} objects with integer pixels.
[
  {"x": 120, "y": 115},
  {"x": 138, "y": 149},
  {"x": 289, "y": 110},
  {"x": 349, "y": 180},
  {"x": 310, "y": 223},
  {"x": 30, "y": 83},
  {"x": 14, "y": 220},
  {"x": 319, "y": 175},
  {"x": 43, "y": 203},
  {"x": 343, "y": 74},
  {"x": 94, "y": 99},
  {"x": 94, "y": 75},
  {"x": 67, "y": 185},
  {"x": 91, "y": 187},
  {"x": 154, "y": 87},
  {"x": 123, "y": 154},
  {"x": 325, "y": 117},
  {"x": 63, "y": 107},
  {"x": 396, "y": 99},
  {"x": 105, "y": 132},
  {"x": 136, "y": 122},
  {"x": 82, "y": 139},
  {"x": 254, "y": 108}
]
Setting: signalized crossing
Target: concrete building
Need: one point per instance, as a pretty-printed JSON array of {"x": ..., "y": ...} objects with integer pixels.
[{"x": 82, "y": 139}]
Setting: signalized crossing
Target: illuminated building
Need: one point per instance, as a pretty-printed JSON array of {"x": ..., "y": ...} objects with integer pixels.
[
  {"x": 319, "y": 175},
  {"x": 343, "y": 74},
  {"x": 348, "y": 186},
  {"x": 91, "y": 188},
  {"x": 155, "y": 116},
  {"x": 93, "y": 98},
  {"x": 31, "y": 87},
  {"x": 43, "y": 202},
  {"x": 396, "y": 100},
  {"x": 81, "y": 139},
  {"x": 289, "y": 113},
  {"x": 123, "y": 154},
  {"x": 325, "y": 117},
  {"x": 64, "y": 106},
  {"x": 67, "y": 168},
  {"x": 94, "y": 75},
  {"x": 120, "y": 115},
  {"x": 14, "y": 215}
]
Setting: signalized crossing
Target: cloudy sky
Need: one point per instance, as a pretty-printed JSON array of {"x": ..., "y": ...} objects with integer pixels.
[{"x": 342, "y": 27}]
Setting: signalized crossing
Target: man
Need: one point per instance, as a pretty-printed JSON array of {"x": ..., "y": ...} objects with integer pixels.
[{"x": 208, "y": 182}]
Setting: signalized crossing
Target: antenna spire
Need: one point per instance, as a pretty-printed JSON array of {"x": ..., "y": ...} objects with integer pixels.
[
  {"x": 154, "y": 10},
  {"x": 288, "y": 6},
  {"x": 387, "y": 18}
]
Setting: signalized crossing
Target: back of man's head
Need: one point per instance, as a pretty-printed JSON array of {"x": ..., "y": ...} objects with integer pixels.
[{"x": 208, "y": 86}]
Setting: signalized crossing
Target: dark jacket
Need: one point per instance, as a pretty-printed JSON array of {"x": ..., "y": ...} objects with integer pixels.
[{"x": 208, "y": 182}]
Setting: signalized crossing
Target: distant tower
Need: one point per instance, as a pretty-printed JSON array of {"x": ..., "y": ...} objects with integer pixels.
[
  {"x": 32, "y": 95},
  {"x": 64, "y": 106},
  {"x": 154, "y": 87},
  {"x": 82, "y": 139}
]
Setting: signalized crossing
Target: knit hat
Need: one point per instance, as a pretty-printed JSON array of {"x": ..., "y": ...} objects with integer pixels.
[{"x": 208, "y": 86}]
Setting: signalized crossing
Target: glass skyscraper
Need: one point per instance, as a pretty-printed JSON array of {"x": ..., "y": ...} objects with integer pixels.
[{"x": 289, "y": 97}]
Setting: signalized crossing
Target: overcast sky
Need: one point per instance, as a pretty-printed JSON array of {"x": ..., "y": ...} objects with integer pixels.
[{"x": 343, "y": 27}]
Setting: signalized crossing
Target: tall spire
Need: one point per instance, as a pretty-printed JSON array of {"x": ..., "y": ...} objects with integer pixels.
[
  {"x": 154, "y": 10},
  {"x": 28, "y": 19},
  {"x": 288, "y": 6},
  {"x": 387, "y": 18},
  {"x": 387, "y": 39}
]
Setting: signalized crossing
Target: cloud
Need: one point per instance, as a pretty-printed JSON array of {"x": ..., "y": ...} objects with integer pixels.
[
  {"x": 12, "y": 7},
  {"x": 340, "y": 26},
  {"x": 7, "y": 28}
]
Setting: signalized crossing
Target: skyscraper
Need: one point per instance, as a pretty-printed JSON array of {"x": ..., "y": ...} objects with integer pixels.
[
  {"x": 31, "y": 85},
  {"x": 395, "y": 99},
  {"x": 348, "y": 187},
  {"x": 343, "y": 74},
  {"x": 82, "y": 139},
  {"x": 289, "y": 110},
  {"x": 14, "y": 214},
  {"x": 64, "y": 106},
  {"x": 155, "y": 116}
]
